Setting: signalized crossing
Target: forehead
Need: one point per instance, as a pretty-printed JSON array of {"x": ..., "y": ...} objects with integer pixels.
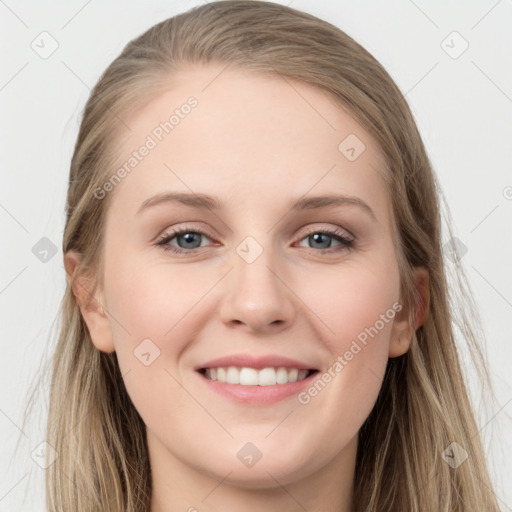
[{"x": 246, "y": 138}]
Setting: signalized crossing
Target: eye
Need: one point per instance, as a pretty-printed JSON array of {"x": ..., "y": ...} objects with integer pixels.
[
  {"x": 322, "y": 239},
  {"x": 187, "y": 239}
]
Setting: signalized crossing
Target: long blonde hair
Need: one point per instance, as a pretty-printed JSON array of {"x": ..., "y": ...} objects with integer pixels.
[{"x": 423, "y": 405}]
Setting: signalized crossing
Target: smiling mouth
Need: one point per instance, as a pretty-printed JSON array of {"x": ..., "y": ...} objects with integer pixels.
[{"x": 246, "y": 376}]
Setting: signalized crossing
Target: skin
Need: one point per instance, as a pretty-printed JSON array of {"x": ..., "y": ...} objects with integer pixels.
[{"x": 257, "y": 143}]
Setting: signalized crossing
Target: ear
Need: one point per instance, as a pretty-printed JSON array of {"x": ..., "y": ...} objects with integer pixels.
[
  {"x": 402, "y": 331},
  {"x": 91, "y": 303}
]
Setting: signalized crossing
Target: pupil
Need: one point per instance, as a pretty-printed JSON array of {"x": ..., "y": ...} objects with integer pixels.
[{"x": 318, "y": 238}]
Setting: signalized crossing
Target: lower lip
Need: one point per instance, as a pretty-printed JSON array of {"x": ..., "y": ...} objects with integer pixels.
[{"x": 258, "y": 395}]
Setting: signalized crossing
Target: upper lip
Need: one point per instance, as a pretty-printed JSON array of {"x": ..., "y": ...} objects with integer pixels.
[{"x": 257, "y": 362}]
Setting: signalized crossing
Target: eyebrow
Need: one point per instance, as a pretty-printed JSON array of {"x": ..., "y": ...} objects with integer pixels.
[{"x": 205, "y": 201}]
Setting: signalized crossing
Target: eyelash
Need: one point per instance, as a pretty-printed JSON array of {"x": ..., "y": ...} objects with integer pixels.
[{"x": 345, "y": 243}]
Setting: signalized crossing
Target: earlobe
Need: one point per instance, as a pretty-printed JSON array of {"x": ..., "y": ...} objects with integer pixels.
[
  {"x": 403, "y": 332},
  {"x": 90, "y": 301}
]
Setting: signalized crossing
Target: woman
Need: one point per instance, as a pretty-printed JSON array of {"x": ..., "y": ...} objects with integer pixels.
[{"x": 256, "y": 370}]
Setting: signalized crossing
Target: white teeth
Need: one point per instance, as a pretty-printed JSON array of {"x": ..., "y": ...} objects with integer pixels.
[
  {"x": 293, "y": 375},
  {"x": 281, "y": 376},
  {"x": 267, "y": 377},
  {"x": 252, "y": 377},
  {"x": 232, "y": 375},
  {"x": 248, "y": 377}
]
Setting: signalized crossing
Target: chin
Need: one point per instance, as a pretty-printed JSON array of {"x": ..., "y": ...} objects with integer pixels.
[{"x": 271, "y": 471}]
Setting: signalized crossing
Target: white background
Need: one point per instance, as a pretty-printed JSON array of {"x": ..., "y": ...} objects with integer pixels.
[{"x": 463, "y": 107}]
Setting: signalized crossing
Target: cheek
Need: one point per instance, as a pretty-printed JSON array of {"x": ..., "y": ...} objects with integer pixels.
[
  {"x": 155, "y": 315},
  {"x": 153, "y": 301},
  {"x": 157, "y": 310},
  {"x": 355, "y": 304},
  {"x": 357, "y": 309}
]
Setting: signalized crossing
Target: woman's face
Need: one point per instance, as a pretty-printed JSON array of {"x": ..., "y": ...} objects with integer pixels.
[{"x": 263, "y": 268}]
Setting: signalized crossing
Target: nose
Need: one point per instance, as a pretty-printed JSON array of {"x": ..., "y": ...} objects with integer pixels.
[{"x": 257, "y": 298}]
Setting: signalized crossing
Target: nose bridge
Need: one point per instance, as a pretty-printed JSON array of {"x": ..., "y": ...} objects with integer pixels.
[
  {"x": 254, "y": 270},
  {"x": 256, "y": 295}
]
